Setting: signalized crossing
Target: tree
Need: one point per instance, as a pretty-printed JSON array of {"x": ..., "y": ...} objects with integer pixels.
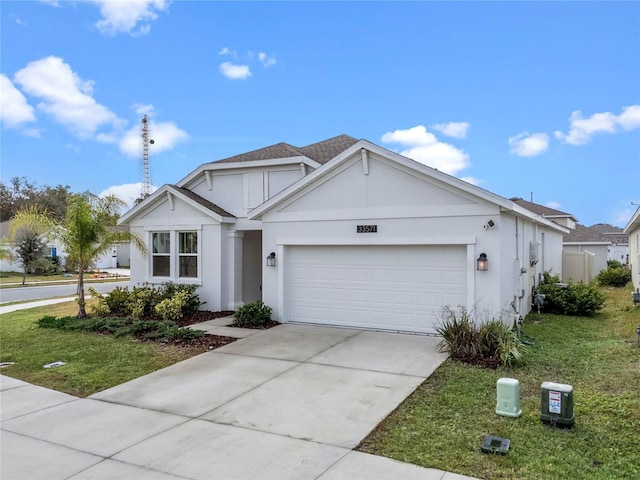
[
  {"x": 20, "y": 194},
  {"x": 29, "y": 245},
  {"x": 86, "y": 232}
]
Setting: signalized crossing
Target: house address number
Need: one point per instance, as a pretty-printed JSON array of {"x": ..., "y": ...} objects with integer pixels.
[{"x": 366, "y": 228}]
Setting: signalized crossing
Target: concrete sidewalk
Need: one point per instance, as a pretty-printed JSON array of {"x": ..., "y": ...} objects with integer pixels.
[
  {"x": 33, "y": 304},
  {"x": 286, "y": 403}
]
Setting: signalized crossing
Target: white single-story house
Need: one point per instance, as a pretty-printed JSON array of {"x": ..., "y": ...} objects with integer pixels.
[
  {"x": 343, "y": 232},
  {"x": 633, "y": 231}
]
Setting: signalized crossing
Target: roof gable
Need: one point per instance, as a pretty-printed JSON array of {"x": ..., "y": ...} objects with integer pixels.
[
  {"x": 169, "y": 192},
  {"x": 454, "y": 186},
  {"x": 385, "y": 185}
]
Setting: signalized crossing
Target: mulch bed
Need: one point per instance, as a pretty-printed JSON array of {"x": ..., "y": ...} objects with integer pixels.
[
  {"x": 205, "y": 315},
  {"x": 207, "y": 341}
]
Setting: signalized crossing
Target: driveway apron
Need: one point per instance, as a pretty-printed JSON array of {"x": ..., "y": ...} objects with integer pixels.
[{"x": 287, "y": 403}]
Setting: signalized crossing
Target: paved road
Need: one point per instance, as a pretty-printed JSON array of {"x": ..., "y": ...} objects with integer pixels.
[{"x": 37, "y": 293}]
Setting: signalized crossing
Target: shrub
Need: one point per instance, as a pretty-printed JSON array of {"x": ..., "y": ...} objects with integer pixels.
[
  {"x": 144, "y": 301},
  {"x": 97, "y": 324},
  {"x": 576, "y": 299},
  {"x": 615, "y": 275},
  {"x": 141, "y": 301},
  {"x": 489, "y": 344},
  {"x": 122, "y": 326},
  {"x": 191, "y": 298},
  {"x": 172, "y": 308},
  {"x": 117, "y": 300},
  {"x": 255, "y": 314},
  {"x": 500, "y": 341}
]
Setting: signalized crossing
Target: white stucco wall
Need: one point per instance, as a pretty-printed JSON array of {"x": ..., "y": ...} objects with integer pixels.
[
  {"x": 184, "y": 217},
  {"x": 230, "y": 189},
  {"x": 520, "y": 273},
  {"x": 410, "y": 209},
  {"x": 634, "y": 256}
]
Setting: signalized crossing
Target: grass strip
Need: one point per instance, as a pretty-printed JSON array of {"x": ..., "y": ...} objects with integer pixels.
[{"x": 442, "y": 424}]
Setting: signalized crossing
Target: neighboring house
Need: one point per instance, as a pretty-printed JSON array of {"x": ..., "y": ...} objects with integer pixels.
[
  {"x": 583, "y": 239},
  {"x": 633, "y": 231},
  {"x": 601, "y": 243},
  {"x": 118, "y": 256},
  {"x": 343, "y": 232},
  {"x": 561, "y": 218},
  {"x": 14, "y": 264},
  {"x": 618, "y": 241}
]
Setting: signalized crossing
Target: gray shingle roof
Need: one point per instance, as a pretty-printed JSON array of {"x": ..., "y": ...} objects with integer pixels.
[
  {"x": 540, "y": 209},
  {"x": 203, "y": 201},
  {"x": 321, "y": 152},
  {"x": 325, "y": 150},
  {"x": 279, "y": 150},
  {"x": 583, "y": 234},
  {"x": 612, "y": 233}
]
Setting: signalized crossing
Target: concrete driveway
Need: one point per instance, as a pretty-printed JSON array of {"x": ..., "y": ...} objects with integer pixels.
[{"x": 286, "y": 403}]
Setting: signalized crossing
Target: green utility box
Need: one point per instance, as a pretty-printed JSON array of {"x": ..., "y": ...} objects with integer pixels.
[
  {"x": 556, "y": 404},
  {"x": 508, "y": 397}
]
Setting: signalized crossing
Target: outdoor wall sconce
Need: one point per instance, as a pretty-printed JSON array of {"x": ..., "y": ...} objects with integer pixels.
[
  {"x": 482, "y": 263},
  {"x": 271, "y": 259}
]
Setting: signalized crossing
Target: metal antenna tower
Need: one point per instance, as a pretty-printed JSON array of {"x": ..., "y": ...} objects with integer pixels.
[{"x": 146, "y": 180}]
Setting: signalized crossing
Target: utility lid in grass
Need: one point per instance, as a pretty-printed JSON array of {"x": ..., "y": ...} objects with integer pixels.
[{"x": 493, "y": 444}]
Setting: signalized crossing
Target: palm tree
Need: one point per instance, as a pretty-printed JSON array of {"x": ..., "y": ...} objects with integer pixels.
[{"x": 85, "y": 233}]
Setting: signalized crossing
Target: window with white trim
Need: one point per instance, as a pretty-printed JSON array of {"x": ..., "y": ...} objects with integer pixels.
[
  {"x": 174, "y": 254},
  {"x": 161, "y": 254},
  {"x": 188, "y": 254}
]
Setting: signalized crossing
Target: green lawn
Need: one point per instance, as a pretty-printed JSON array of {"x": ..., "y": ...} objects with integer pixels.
[
  {"x": 93, "y": 362},
  {"x": 443, "y": 423}
]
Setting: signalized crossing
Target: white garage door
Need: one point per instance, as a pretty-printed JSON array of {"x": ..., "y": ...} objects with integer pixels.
[{"x": 400, "y": 288}]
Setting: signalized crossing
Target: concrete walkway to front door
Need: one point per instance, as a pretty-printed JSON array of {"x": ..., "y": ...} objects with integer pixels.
[{"x": 286, "y": 403}]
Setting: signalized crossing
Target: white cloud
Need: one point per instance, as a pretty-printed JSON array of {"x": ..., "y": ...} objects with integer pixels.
[
  {"x": 452, "y": 129},
  {"x": 410, "y": 137},
  {"x": 529, "y": 145},
  {"x": 583, "y": 129},
  {"x": 129, "y": 16},
  {"x": 630, "y": 117},
  {"x": 266, "y": 60},
  {"x": 143, "y": 109},
  {"x": 235, "y": 72},
  {"x": 554, "y": 205},
  {"x": 424, "y": 147},
  {"x": 228, "y": 51},
  {"x": 127, "y": 192},
  {"x": 15, "y": 111},
  {"x": 65, "y": 96},
  {"x": 18, "y": 20},
  {"x": 31, "y": 132},
  {"x": 164, "y": 134}
]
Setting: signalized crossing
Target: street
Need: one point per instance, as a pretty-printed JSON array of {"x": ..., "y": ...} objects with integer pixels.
[{"x": 49, "y": 291}]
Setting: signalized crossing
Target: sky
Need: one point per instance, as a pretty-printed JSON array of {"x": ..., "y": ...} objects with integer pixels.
[{"x": 539, "y": 100}]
